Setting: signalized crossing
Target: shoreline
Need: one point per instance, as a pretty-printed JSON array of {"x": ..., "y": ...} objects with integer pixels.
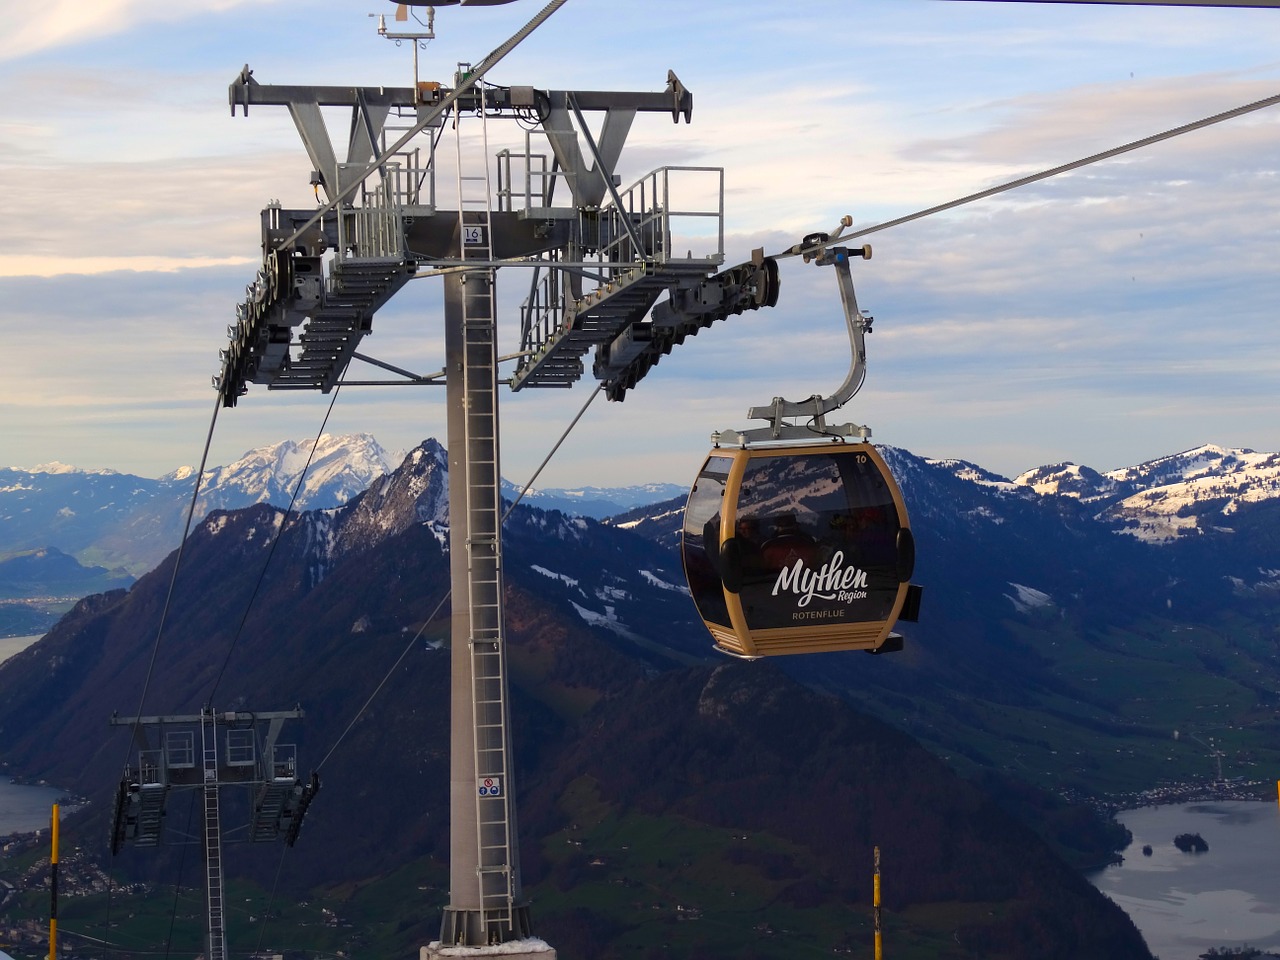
[{"x": 1109, "y": 805}]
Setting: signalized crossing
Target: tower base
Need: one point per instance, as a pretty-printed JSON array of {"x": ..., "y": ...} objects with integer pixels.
[{"x": 531, "y": 949}]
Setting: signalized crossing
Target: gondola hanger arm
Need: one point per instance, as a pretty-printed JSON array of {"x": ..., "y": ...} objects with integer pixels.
[{"x": 818, "y": 248}]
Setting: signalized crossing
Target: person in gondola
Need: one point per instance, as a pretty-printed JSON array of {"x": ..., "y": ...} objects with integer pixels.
[{"x": 788, "y": 544}]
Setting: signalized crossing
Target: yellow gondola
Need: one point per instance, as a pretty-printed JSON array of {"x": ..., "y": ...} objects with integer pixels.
[
  {"x": 799, "y": 550},
  {"x": 791, "y": 545}
]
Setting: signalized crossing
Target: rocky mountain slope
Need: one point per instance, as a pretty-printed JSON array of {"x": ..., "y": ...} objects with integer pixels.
[
  {"x": 1050, "y": 641},
  {"x": 130, "y": 522},
  {"x": 1053, "y": 652},
  {"x": 651, "y": 779},
  {"x": 120, "y": 520}
]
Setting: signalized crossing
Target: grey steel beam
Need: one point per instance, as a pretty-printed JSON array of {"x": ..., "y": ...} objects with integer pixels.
[{"x": 244, "y": 92}]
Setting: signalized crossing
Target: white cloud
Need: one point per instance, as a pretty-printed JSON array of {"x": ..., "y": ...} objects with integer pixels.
[
  {"x": 26, "y": 265},
  {"x": 32, "y": 28},
  {"x": 1130, "y": 303}
]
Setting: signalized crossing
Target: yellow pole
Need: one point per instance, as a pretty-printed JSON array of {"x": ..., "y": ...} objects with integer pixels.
[
  {"x": 53, "y": 887},
  {"x": 875, "y": 902},
  {"x": 1278, "y": 791}
]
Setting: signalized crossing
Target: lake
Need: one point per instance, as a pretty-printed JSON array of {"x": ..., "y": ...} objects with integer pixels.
[
  {"x": 11, "y": 645},
  {"x": 26, "y": 809},
  {"x": 1185, "y": 903}
]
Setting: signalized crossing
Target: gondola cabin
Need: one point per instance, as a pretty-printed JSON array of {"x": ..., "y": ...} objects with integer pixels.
[{"x": 801, "y": 549}]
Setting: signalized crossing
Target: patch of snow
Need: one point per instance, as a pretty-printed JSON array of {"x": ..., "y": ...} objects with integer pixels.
[
  {"x": 986, "y": 513},
  {"x": 1159, "y": 527},
  {"x": 553, "y": 575},
  {"x": 53, "y": 466},
  {"x": 608, "y": 621},
  {"x": 655, "y": 516},
  {"x": 967, "y": 471},
  {"x": 1025, "y": 599},
  {"x": 657, "y": 581}
]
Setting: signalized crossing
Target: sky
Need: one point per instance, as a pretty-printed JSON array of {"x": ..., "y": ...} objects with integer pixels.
[{"x": 1107, "y": 317}]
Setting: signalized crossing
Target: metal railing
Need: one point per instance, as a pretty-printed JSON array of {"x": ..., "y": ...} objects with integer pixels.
[
  {"x": 658, "y": 207},
  {"x": 374, "y": 229},
  {"x": 535, "y": 172}
]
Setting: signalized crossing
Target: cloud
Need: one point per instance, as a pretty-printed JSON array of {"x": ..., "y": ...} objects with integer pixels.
[
  {"x": 1127, "y": 305},
  {"x": 141, "y": 215},
  {"x": 57, "y": 23},
  {"x": 26, "y": 265}
]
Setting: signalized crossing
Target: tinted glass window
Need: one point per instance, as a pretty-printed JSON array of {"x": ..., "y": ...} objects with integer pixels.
[
  {"x": 817, "y": 540},
  {"x": 700, "y": 543}
]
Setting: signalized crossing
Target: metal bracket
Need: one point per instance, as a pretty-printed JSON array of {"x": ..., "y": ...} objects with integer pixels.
[{"x": 817, "y": 248}]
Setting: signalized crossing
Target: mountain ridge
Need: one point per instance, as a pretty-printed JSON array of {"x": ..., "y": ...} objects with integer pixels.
[
  {"x": 1192, "y": 492},
  {"x": 624, "y": 722}
]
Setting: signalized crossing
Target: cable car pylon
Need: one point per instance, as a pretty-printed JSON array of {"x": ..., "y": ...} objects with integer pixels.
[
  {"x": 796, "y": 537},
  {"x": 207, "y": 752}
]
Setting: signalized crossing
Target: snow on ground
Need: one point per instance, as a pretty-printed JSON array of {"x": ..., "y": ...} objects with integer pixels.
[
  {"x": 553, "y": 575},
  {"x": 608, "y": 621},
  {"x": 1025, "y": 599},
  {"x": 986, "y": 513},
  {"x": 656, "y": 516},
  {"x": 1160, "y": 527},
  {"x": 659, "y": 582},
  {"x": 967, "y": 471}
]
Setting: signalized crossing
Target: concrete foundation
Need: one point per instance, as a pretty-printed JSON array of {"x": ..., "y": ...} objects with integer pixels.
[{"x": 531, "y": 949}]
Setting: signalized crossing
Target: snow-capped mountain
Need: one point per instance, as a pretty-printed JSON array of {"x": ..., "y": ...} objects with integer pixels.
[
  {"x": 340, "y": 467},
  {"x": 56, "y": 466},
  {"x": 1193, "y": 492},
  {"x": 1071, "y": 480},
  {"x": 121, "y": 520},
  {"x": 595, "y": 502}
]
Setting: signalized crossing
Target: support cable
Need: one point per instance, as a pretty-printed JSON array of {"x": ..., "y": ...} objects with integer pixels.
[
  {"x": 275, "y": 542},
  {"x": 164, "y": 615},
  {"x": 413, "y": 642},
  {"x": 177, "y": 886},
  {"x": 235, "y": 639},
  {"x": 445, "y": 598},
  {"x": 177, "y": 562},
  {"x": 1074, "y": 165},
  {"x": 563, "y": 437},
  {"x": 248, "y": 607},
  {"x": 383, "y": 682},
  {"x": 271, "y": 900}
]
